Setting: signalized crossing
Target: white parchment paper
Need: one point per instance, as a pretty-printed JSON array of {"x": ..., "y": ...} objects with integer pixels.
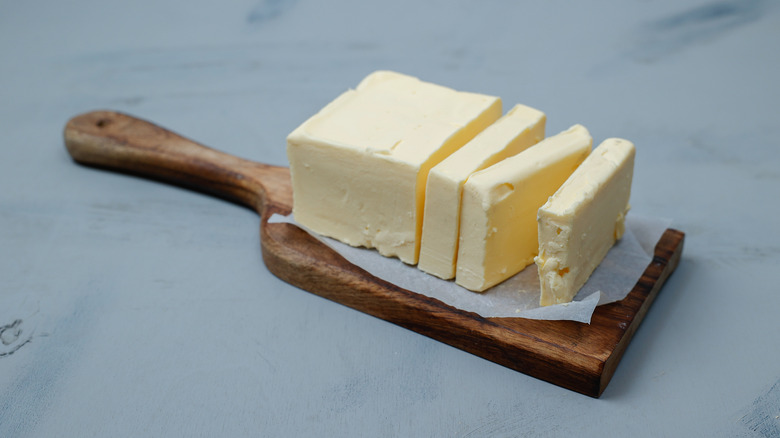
[{"x": 519, "y": 296}]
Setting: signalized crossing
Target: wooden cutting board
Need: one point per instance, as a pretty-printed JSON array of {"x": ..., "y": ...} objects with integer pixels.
[{"x": 577, "y": 356}]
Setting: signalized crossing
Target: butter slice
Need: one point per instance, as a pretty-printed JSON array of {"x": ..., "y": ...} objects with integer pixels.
[
  {"x": 519, "y": 129},
  {"x": 498, "y": 231},
  {"x": 359, "y": 166},
  {"x": 583, "y": 219}
]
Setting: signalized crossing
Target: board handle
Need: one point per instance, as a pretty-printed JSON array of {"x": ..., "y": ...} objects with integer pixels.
[{"x": 124, "y": 143}]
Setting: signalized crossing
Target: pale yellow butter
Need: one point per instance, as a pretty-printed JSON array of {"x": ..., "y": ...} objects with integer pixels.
[
  {"x": 520, "y": 128},
  {"x": 359, "y": 167},
  {"x": 498, "y": 231},
  {"x": 579, "y": 224}
]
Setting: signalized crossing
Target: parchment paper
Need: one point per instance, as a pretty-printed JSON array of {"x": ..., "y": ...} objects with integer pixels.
[{"x": 519, "y": 296}]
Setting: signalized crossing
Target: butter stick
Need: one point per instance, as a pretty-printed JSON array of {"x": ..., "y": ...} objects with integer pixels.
[
  {"x": 359, "y": 167},
  {"x": 498, "y": 232},
  {"x": 580, "y": 223},
  {"x": 517, "y": 130}
]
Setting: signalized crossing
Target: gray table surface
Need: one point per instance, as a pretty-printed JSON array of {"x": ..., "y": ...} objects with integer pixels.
[{"x": 131, "y": 308}]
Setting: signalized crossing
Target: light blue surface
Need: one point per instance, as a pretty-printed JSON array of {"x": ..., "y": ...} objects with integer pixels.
[{"x": 146, "y": 310}]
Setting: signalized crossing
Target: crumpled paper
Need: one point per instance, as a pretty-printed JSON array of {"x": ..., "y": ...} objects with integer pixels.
[{"x": 518, "y": 296}]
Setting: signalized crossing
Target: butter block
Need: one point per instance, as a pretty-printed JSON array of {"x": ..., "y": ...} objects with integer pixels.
[
  {"x": 498, "y": 230},
  {"x": 583, "y": 219},
  {"x": 359, "y": 166},
  {"x": 517, "y": 130}
]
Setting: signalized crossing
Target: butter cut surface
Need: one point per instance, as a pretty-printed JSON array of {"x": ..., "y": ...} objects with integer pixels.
[
  {"x": 583, "y": 219},
  {"x": 520, "y": 128},
  {"x": 359, "y": 166},
  {"x": 498, "y": 230}
]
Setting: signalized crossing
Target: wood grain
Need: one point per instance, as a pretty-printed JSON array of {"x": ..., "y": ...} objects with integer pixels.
[{"x": 576, "y": 356}]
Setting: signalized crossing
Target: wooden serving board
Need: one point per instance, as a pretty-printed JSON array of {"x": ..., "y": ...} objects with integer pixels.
[{"x": 576, "y": 356}]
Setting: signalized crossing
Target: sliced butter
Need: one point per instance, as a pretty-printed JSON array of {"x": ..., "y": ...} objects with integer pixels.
[
  {"x": 498, "y": 232},
  {"x": 359, "y": 166},
  {"x": 583, "y": 219},
  {"x": 519, "y": 129}
]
